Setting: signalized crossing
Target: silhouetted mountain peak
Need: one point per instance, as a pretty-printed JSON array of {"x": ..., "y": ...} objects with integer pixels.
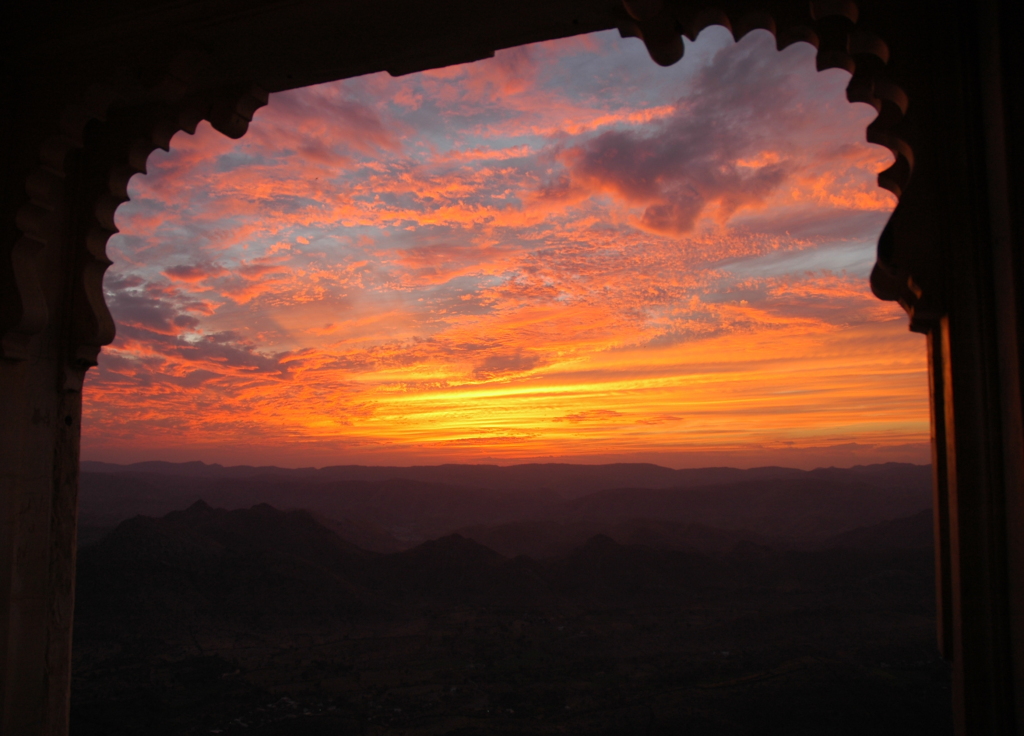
[
  {"x": 455, "y": 549},
  {"x": 197, "y": 536},
  {"x": 265, "y": 509},
  {"x": 453, "y": 541},
  {"x": 601, "y": 542},
  {"x": 909, "y": 532},
  {"x": 599, "y": 549},
  {"x": 748, "y": 550}
]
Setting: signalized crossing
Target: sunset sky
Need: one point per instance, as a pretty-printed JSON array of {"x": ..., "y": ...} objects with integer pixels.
[{"x": 564, "y": 252}]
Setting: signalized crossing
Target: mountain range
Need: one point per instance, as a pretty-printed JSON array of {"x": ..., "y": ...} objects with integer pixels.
[
  {"x": 533, "y": 509},
  {"x": 262, "y": 567},
  {"x": 267, "y": 621}
]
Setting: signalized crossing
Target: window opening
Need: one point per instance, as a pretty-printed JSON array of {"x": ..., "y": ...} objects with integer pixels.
[{"x": 564, "y": 252}]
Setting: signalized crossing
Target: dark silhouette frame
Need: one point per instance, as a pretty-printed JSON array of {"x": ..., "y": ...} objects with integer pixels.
[{"x": 90, "y": 90}]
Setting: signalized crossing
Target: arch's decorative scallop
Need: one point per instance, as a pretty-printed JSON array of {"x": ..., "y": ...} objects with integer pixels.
[{"x": 112, "y": 139}]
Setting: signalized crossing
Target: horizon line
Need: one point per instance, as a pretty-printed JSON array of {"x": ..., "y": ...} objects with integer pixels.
[{"x": 494, "y": 465}]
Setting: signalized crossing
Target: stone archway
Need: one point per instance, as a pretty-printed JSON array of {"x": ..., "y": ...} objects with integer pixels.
[{"x": 94, "y": 93}]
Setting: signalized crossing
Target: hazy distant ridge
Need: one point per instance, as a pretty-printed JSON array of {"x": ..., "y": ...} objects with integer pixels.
[
  {"x": 568, "y": 479},
  {"x": 385, "y": 509}
]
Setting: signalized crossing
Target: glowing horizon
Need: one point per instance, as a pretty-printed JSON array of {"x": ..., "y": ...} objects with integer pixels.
[{"x": 562, "y": 252}]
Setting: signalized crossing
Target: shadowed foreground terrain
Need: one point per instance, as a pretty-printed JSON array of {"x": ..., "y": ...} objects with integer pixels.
[{"x": 262, "y": 621}]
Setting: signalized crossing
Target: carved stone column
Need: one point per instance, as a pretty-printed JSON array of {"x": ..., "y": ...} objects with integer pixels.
[
  {"x": 40, "y": 420},
  {"x": 952, "y": 254},
  {"x": 68, "y": 172}
]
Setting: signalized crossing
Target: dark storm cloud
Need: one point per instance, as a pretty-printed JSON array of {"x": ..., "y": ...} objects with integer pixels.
[
  {"x": 143, "y": 309},
  {"x": 224, "y": 351},
  {"x": 194, "y": 272},
  {"x": 679, "y": 166},
  {"x": 325, "y": 121}
]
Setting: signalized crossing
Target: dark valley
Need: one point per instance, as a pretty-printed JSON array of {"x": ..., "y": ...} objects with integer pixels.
[{"x": 523, "y": 600}]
